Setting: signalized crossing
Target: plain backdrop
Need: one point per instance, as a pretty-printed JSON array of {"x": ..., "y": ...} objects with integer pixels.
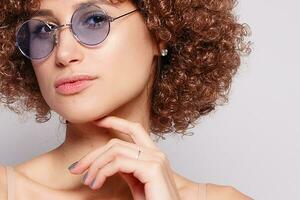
[{"x": 251, "y": 143}]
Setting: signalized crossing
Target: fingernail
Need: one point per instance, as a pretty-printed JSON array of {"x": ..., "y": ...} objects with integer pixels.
[
  {"x": 73, "y": 165},
  {"x": 84, "y": 177},
  {"x": 92, "y": 184}
]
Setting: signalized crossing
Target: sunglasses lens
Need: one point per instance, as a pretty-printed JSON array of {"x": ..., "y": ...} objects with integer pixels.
[
  {"x": 35, "y": 39},
  {"x": 90, "y": 25}
]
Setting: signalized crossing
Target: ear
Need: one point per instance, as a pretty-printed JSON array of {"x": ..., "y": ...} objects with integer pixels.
[{"x": 160, "y": 45}]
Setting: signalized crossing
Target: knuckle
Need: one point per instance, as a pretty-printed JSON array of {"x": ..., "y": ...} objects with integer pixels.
[
  {"x": 162, "y": 157},
  {"x": 114, "y": 141},
  {"x": 153, "y": 169},
  {"x": 118, "y": 160},
  {"x": 115, "y": 148},
  {"x": 156, "y": 167},
  {"x": 94, "y": 166},
  {"x": 137, "y": 125}
]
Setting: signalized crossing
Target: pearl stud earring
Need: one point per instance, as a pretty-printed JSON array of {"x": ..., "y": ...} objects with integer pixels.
[{"x": 164, "y": 52}]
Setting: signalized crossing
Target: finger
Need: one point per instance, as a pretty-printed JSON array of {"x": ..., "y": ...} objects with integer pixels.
[
  {"x": 157, "y": 182},
  {"x": 85, "y": 162},
  {"x": 106, "y": 157},
  {"x": 140, "y": 169},
  {"x": 133, "y": 129},
  {"x": 111, "y": 154}
]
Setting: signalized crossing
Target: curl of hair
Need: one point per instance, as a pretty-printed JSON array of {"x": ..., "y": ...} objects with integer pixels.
[{"x": 205, "y": 43}]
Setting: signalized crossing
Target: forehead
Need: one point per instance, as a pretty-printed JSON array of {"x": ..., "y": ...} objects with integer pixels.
[
  {"x": 66, "y": 4},
  {"x": 51, "y": 8}
]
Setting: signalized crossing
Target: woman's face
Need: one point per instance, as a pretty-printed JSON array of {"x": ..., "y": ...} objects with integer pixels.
[{"x": 121, "y": 64}]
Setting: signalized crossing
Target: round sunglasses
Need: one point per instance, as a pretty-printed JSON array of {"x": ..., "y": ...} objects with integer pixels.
[{"x": 90, "y": 26}]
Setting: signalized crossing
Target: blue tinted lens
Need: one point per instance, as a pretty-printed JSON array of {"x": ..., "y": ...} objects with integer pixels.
[
  {"x": 90, "y": 25},
  {"x": 35, "y": 39}
]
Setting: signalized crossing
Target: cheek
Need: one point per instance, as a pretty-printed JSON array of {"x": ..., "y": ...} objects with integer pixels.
[
  {"x": 44, "y": 78},
  {"x": 127, "y": 60}
]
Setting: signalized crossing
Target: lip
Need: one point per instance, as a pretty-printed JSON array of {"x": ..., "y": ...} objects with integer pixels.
[{"x": 73, "y": 84}]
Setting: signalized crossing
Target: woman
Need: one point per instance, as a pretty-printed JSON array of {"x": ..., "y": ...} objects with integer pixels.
[{"x": 115, "y": 71}]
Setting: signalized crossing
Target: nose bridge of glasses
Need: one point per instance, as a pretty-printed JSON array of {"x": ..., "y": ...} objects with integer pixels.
[{"x": 61, "y": 27}]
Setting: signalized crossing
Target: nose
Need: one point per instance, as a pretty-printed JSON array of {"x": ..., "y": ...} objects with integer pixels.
[{"x": 68, "y": 50}]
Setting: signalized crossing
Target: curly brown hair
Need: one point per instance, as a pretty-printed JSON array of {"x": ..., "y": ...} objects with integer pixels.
[{"x": 205, "y": 43}]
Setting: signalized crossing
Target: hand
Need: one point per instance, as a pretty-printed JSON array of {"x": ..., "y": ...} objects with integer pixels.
[{"x": 149, "y": 177}]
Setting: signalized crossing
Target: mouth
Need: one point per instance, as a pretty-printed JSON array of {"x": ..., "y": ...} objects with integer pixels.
[{"x": 73, "y": 84}]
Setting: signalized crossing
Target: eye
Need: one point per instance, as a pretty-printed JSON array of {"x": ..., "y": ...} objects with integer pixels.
[
  {"x": 43, "y": 28},
  {"x": 95, "y": 20}
]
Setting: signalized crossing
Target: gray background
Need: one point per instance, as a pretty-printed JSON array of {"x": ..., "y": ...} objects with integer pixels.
[{"x": 251, "y": 143}]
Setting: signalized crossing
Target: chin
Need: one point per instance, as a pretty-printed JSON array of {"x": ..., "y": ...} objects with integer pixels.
[
  {"x": 82, "y": 117},
  {"x": 90, "y": 107},
  {"x": 79, "y": 116},
  {"x": 78, "y": 119},
  {"x": 81, "y": 120}
]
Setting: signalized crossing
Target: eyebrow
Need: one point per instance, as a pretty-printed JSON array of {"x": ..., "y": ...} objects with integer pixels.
[{"x": 48, "y": 12}]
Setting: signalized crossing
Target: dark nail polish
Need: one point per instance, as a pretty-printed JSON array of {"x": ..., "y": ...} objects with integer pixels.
[
  {"x": 72, "y": 166},
  {"x": 92, "y": 184},
  {"x": 84, "y": 177}
]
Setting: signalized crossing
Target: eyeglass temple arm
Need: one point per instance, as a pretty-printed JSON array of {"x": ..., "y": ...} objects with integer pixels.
[{"x": 113, "y": 19}]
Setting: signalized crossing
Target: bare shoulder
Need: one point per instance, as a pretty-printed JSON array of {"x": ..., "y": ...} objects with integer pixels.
[
  {"x": 224, "y": 192},
  {"x": 3, "y": 187},
  {"x": 189, "y": 191}
]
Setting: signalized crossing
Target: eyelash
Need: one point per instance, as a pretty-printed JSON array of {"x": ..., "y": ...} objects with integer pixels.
[{"x": 53, "y": 21}]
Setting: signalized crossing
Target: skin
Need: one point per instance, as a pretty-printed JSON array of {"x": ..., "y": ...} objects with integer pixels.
[{"x": 108, "y": 121}]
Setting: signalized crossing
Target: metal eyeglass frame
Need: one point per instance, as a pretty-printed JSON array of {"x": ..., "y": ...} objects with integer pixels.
[{"x": 69, "y": 25}]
